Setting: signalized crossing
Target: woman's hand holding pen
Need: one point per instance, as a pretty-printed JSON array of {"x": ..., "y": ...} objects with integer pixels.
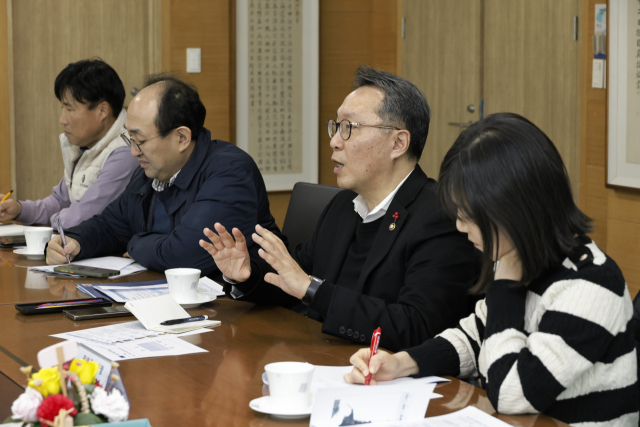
[
  {"x": 231, "y": 257},
  {"x": 56, "y": 254},
  {"x": 384, "y": 366}
]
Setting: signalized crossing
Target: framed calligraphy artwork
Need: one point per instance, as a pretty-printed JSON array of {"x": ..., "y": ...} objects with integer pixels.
[{"x": 277, "y": 88}]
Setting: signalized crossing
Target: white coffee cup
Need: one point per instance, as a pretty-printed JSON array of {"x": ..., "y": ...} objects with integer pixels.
[
  {"x": 183, "y": 284},
  {"x": 289, "y": 385},
  {"x": 37, "y": 238}
]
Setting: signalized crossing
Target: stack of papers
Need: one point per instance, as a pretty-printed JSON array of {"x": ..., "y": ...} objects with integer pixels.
[
  {"x": 153, "y": 311},
  {"x": 467, "y": 417},
  {"x": 373, "y": 404},
  {"x": 126, "y": 266},
  {"x": 8, "y": 229},
  {"x": 123, "y": 292},
  {"x": 131, "y": 340}
]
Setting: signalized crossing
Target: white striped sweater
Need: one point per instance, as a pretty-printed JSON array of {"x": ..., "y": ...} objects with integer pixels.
[{"x": 563, "y": 346}]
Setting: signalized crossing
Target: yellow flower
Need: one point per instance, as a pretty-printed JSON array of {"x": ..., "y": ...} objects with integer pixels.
[
  {"x": 46, "y": 381},
  {"x": 86, "y": 370}
]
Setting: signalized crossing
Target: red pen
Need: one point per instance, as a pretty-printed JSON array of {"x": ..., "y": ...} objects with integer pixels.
[{"x": 375, "y": 340}]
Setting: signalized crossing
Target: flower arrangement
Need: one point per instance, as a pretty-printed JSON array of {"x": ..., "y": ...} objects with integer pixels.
[{"x": 68, "y": 395}]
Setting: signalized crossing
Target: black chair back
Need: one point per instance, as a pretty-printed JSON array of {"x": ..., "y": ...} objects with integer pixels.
[{"x": 307, "y": 203}]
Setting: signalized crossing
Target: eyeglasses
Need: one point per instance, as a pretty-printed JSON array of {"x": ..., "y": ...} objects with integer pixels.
[
  {"x": 345, "y": 128},
  {"x": 130, "y": 142}
]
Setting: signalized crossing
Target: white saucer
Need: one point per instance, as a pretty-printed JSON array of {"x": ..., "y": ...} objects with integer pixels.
[
  {"x": 203, "y": 298},
  {"x": 263, "y": 404},
  {"x": 25, "y": 252}
]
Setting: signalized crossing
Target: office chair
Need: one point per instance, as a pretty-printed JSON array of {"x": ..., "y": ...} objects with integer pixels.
[{"x": 306, "y": 204}]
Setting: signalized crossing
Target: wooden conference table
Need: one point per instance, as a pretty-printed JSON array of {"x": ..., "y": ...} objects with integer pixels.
[{"x": 206, "y": 389}]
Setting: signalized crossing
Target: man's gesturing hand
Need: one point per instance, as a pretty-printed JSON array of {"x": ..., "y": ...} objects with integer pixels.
[
  {"x": 290, "y": 278},
  {"x": 231, "y": 257}
]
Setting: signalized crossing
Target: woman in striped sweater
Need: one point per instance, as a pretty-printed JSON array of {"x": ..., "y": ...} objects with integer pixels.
[{"x": 554, "y": 333}]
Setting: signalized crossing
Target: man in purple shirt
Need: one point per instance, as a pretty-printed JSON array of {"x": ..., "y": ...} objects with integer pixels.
[{"x": 97, "y": 162}]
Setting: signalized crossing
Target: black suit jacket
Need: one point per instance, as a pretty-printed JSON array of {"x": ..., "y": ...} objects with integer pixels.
[{"x": 413, "y": 284}]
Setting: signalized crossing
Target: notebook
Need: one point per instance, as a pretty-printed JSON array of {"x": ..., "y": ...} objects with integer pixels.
[
  {"x": 9, "y": 229},
  {"x": 153, "y": 311}
]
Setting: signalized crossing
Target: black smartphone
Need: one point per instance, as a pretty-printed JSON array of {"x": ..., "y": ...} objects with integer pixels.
[
  {"x": 83, "y": 270},
  {"x": 97, "y": 313}
]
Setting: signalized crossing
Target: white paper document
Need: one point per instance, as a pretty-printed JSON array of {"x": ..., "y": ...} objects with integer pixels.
[
  {"x": 124, "y": 294},
  {"x": 130, "y": 293},
  {"x": 134, "y": 267},
  {"x": 370, "y": 404},
  {"x": 467, "y": 417},
  {"x": 153, "y": 311},
  {"x": 8, "y": 229},
  {"x": 131, "y": 340},
  {"x": 108, "y": 262},
  {"x": 117, "y": 333},
  {"x": 333, "y": 376},
  {"x": 165, "y": 345}
]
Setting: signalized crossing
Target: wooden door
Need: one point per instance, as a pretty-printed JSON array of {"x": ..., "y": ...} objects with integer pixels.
[
  {"x": 441, "y": 55},
  {"x": 47, "y": 35},
  {"x": 531, "y": 67}
]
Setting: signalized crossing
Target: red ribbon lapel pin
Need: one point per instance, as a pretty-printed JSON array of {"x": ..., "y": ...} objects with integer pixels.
[{"x": 395, "y": 217}]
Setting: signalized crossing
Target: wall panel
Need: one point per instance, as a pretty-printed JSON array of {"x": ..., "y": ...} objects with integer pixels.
[
  {"x": 616, "y": 213},
  {"x": 352, "y": 32}
]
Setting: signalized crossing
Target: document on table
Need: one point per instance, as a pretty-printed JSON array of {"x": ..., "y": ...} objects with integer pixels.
[
  {"x": 333, "y": 376},
  {"x": 121, "y": 293},
  {"x": 131, "y": 340},
  {"x": 467, "y": 417},
  {"x": 108, "y": 262},
  {"x": 117, "y": 333},
  {"x": 153, "y": 311},
  {"x": 134, "y": 267},
  {"x": 8, "y": 229},
  {"x": 362, "y": 404},
  {"x": 165, "y": 345}
]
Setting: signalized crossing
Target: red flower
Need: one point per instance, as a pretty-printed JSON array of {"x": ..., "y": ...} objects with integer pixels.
[
  {"x": 395, "y": 216},
  {"x": 51, "y": 405}
]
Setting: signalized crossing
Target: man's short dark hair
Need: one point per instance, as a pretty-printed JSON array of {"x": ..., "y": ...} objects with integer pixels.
[
  {"x": 404, "y": 105},
  {"x": 179, "y": 105},
  {"x": 91, "y": 81}
]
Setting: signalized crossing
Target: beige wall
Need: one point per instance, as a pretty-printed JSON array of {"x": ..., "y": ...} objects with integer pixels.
[
  {"x": 5, "y": 148},
  {"x": 616, "y": 212},
  {"x": 351, "y": 32}
]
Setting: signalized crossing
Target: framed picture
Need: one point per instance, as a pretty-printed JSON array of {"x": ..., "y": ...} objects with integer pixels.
[
  {"x": 277, "y": 88},
  {"x": 623, "y": 134}
]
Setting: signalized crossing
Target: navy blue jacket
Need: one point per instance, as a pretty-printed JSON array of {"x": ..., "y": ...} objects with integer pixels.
[{"x": 219, "y": 183}]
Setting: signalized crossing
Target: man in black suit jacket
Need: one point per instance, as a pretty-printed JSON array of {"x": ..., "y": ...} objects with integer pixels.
[{"x": 383, "y": 254}]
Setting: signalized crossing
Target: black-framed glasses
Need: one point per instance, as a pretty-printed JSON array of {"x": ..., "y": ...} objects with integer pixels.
[
  {"x": 345, "y": 126},
  {"x": 130, "y": 142}
]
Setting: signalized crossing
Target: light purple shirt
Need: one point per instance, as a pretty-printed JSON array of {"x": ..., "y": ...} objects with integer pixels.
[{"x": 111, "y": 181}]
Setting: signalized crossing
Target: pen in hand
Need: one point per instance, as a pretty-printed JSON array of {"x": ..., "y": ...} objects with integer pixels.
[
  {"x": 58, "y": 222},
  {"x": 375, "y": 340},
  {"x": 185, "y": 320},
  {"x": 6, "y": 196}
]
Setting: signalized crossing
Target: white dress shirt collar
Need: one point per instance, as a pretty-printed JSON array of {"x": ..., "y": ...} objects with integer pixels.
[{"x": 361, "y": 207}]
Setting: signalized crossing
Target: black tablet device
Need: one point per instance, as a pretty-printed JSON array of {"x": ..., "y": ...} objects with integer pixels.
[{"x": 58, "y": 306}]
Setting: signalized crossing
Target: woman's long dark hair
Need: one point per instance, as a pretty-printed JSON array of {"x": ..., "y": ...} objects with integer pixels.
[{"x": 504, "y": 173}]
